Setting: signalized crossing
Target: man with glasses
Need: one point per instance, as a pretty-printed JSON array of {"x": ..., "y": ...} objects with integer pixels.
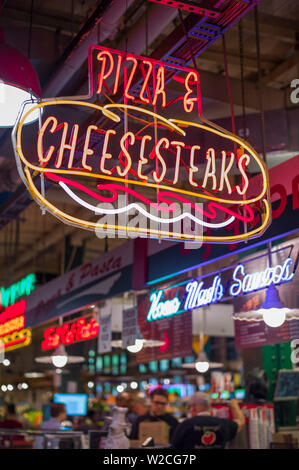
[
  {"x": 158, "y": 403},
  {"x": 204, "y": 431}
]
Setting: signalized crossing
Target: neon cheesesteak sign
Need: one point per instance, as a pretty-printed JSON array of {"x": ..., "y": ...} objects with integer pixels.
[
  {"x": 13, "y": 333},
  {"x": 194, "y": 294},
  {"x": 135, "y": 168}
]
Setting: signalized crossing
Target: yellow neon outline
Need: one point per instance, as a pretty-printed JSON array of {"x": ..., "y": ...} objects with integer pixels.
[
  {"x": 93, "y": 225},
  {"x": 135, "y": 182},
  {"x": 20, "y": 345},
  {"x": 145, "y": 111}
]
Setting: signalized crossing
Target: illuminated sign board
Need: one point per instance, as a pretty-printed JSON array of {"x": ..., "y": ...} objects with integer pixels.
[
  {"x": 250, "y": 282},
  {"x": 70, "y": 333},
  {"x": 8, "y": 295},
  {"x": 196, "y": 293},
  {"x": 133, "y": 167},
  {"x": 12, "y": 327}
]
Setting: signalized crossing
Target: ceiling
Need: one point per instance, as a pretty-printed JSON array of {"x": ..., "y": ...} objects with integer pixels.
[{"x": 55, "y": 36}]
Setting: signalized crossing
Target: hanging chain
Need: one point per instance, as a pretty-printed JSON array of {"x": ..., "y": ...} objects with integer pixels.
[
  {"x": 258, "y": 54},
  {"x": 188, "y": 40},
  {"x": 146, "y": 32},
  {"x": 30, "y": 30},
  {"x": 228, "y": 86},
  {"x": 241, "y": 45}
]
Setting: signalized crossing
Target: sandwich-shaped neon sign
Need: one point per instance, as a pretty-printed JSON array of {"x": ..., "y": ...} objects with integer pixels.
[{"x": 145, "y": 163}]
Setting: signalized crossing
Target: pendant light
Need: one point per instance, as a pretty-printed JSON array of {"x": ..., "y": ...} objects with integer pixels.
[
  {"x": 140, "y": 343},
  {"x": 272, "y": 309},
  {"x": 18, "y": 83},
  {"x": 59, "y": 358},
  {"x": 202, "y": 363}
]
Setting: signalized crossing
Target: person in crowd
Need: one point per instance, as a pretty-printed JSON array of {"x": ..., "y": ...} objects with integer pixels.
[
  {"x": 257, "y": 386},
  {"x": 176, "y": 405},
  {"x": 58, "y": 414},
  {"x": 140, "y": 406},
  {"x": 88, "y": 422},
  {"x": 204, "y": 431},
  {"x": 157, "y": 412},
  {"x": 11, "y": 420},
  {"x": 125, "y": 400}
]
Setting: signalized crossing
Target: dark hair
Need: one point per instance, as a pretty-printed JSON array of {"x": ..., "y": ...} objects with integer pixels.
[
  {"x": 159, "y": 391},
  {"x": 11, "y": 408},
  {"x": 56, "y": 409},
  {"x": 257, "y": 385}
]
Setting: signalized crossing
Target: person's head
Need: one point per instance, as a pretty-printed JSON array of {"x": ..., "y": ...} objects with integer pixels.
[
  {"x": 58, "y": 411},
  {"x": 124, "y": 400},
  {"x": 159, "y": 401},
  {"x": 91, "y": 414},
  {"x": 140, "y": 406},
  {"x": 198, "y": 403},
  {"x": 11, "y": 409},
  {"x": 257, "y": 385}
]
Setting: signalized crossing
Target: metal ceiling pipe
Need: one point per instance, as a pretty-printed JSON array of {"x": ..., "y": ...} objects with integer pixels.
[
  {"x": 158, "y": 18},
  {"x": 77, "y": 53}
]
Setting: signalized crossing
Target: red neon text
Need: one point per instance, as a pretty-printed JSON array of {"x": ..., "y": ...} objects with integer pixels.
[
  {"x": 69, "y": 334},
  {"x": 13, "y": 311},
  {"x": 150, "y": 75}
]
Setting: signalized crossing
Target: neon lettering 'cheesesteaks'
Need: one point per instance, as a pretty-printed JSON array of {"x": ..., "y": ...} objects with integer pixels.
[
  {"x": 129, "y": 140},
  {"x": 227, "y": 159},
  {"x": 175, "y": 125}
]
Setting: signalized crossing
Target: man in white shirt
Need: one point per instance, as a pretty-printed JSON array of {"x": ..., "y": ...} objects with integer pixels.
[{"x": 58, "y": 414}]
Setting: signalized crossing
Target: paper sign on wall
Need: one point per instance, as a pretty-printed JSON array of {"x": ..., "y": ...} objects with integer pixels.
[
  {"x": 105, "y": 336},
  {"x": 129, "y": 330}
]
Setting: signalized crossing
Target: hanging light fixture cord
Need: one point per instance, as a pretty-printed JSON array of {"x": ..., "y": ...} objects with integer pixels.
[
  {"x": 258, "y": 56},
  {"x": 30, "y": 30},
  {"x": 241, "y": 45}
]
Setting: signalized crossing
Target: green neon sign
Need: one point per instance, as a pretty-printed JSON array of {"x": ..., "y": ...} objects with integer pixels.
[{"x": 8, "y": 295}]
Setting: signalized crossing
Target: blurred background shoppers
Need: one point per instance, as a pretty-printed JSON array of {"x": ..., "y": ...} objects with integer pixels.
[
  {"x": 257, "y": 386},
  {"x": 202, "y": 430},
  {"x": 140, "y": 405},
  {"x": 125, "y": 400},
  {"x": 11, "y": 420},
  {"x": 58, "y": 414},
  {"x": 158, "y": 404}
]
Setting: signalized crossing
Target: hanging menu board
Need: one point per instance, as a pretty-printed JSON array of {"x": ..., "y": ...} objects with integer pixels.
[
  {"x": 129, "y": 327},
  {"x": 175, "y": 331},
  {"x": 254, "y": 334}
]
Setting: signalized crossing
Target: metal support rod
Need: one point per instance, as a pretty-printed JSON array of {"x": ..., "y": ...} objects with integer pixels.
[
  {"x": 258, "y": 55},
  {"x": 269, "y": 246},
  {"x": 241, "y": 44},
  {"x": 188, "y": 39}
]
